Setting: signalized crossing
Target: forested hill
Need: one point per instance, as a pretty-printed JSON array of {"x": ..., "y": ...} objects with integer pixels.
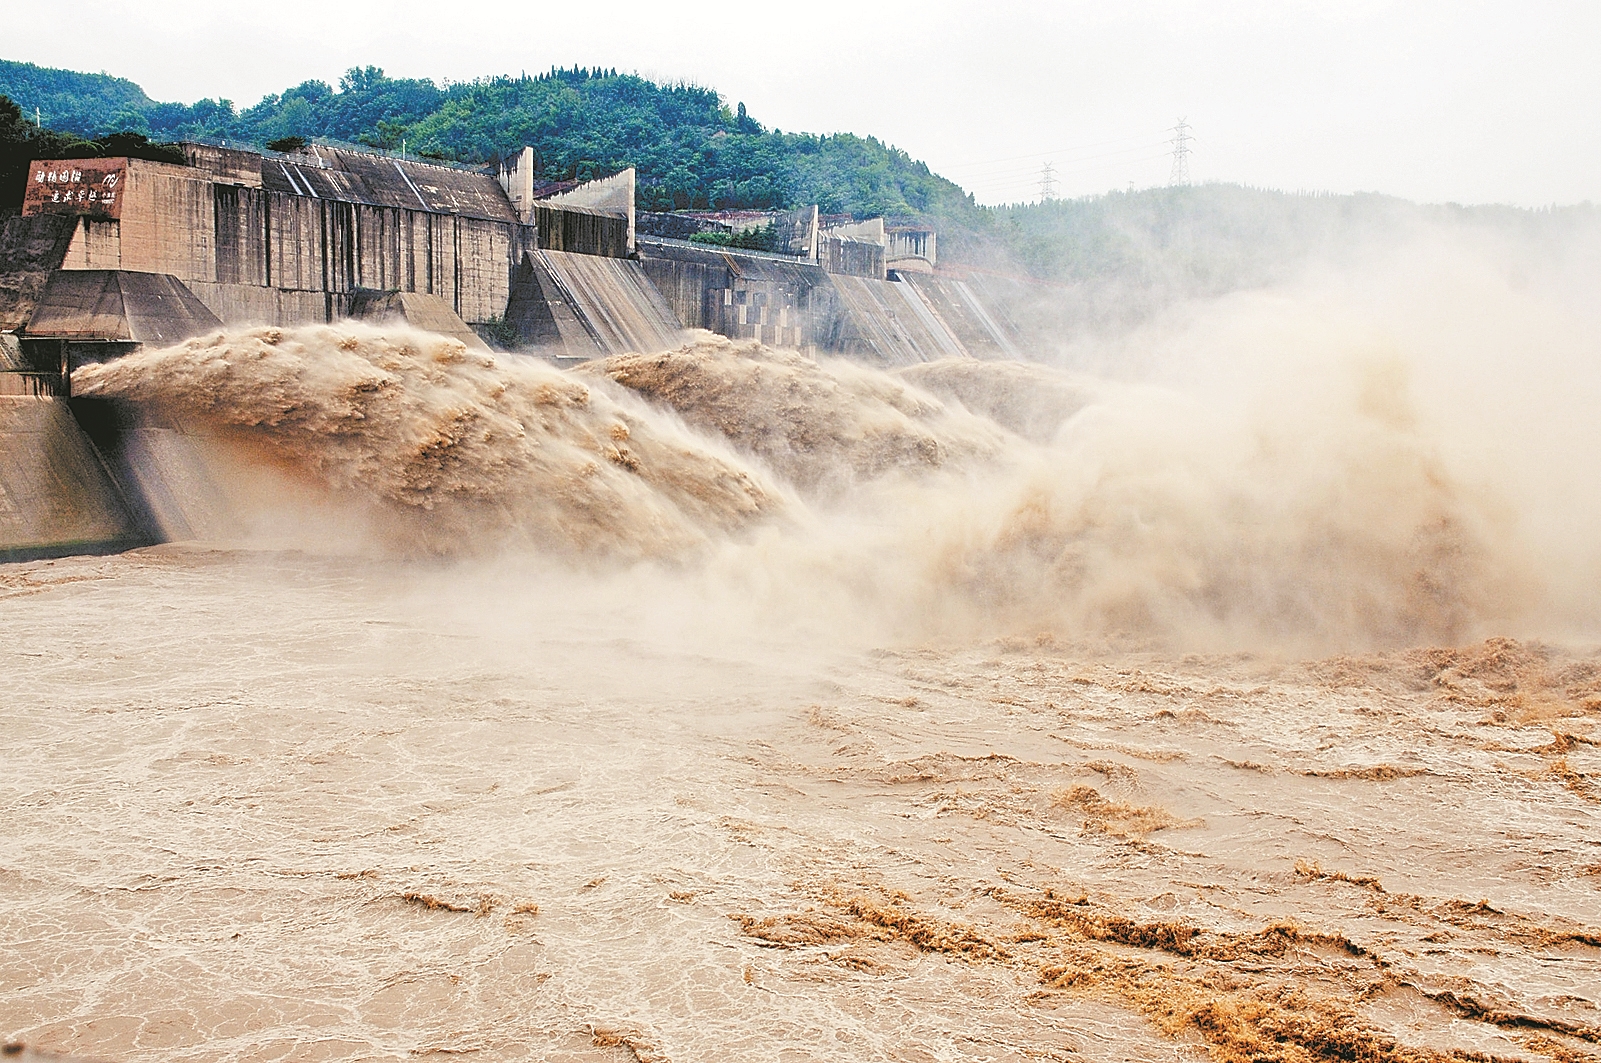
[
  {"x": 85, "y": 105},
  {"x": 691, "y": 148}
]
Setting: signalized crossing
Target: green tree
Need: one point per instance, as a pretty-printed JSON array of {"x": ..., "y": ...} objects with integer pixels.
[{"x": 21, "y": 142}]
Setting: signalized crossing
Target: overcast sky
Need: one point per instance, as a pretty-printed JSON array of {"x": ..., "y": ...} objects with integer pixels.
[{"x": 1437, "y": 101}]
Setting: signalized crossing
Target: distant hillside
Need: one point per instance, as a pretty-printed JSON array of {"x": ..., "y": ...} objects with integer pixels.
[
  {"x": 1122, "y": 256},
  {"x": 1210, "y": 237},
  {"x": 691, "y": 148}
]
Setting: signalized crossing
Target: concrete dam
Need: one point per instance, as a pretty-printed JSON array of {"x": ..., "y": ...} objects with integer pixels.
[{"x": 113, "y": 255}]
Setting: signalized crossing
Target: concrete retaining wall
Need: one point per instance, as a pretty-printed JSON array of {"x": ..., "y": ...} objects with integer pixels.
[
  {"x": 607, "y": 195},
  {"x": 586, "y": 232}
]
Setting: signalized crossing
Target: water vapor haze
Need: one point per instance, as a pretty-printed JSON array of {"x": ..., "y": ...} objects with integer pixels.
[
  {"x": 718, "y": 703},
  {"x": 1392, "y": 452}
]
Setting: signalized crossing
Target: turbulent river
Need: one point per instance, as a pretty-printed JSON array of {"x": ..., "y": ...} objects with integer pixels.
[{"x": 726, "y": 704}]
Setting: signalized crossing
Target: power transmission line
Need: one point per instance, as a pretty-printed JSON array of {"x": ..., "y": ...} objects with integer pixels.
[
  {"x": 1181, "y": 154},
  {"x": 1047, "y": 182}
]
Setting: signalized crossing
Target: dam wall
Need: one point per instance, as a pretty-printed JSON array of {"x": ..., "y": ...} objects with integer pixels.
[
  {"x": 603, "y": 197},
  {"x": 292, "y": 239},
  {"x": 284, "y": 243},
  {"x": 791, "y": 302},
  {"x": 887, "y": 322},
  {"x": 959, "y": 308},
  {"x": 113, "y": 254},
  {"x": 581, "y": 230},
  {"x": 620, "y": 309},
  {"x": 308, "y": 236},
  {"x": 57, "y": 495},
  {"x": 777, "y": 300}
]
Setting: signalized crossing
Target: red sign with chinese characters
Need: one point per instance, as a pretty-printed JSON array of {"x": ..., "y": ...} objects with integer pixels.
[{"x": 76, "y": 186}]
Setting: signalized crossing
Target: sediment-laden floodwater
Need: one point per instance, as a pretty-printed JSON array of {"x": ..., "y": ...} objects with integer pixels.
[
  {"x": 729, "y": 704},
  {"x": 269, "y": 805}
]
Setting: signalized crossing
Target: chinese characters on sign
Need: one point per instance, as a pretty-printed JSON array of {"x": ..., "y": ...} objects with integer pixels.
[{"x": 93, "y": 187}]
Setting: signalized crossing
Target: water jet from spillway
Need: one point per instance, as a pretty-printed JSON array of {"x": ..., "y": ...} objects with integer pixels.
[
  {"x": 1330, "y": 508},
  {"x": 458, "y": 451}
]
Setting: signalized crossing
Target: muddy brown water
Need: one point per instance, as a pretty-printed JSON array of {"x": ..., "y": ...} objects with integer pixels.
[
  {"x": 269, "y": 805},
  {"x": 722, "y": 704}
]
